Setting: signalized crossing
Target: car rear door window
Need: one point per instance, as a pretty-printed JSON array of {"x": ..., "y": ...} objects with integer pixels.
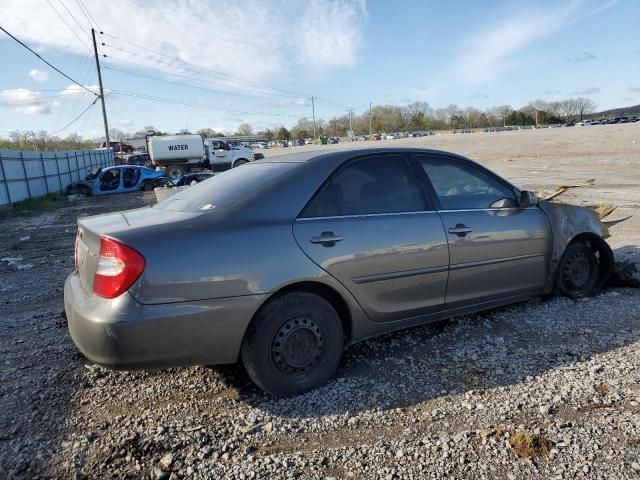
[
  {"x": 460, "y": 186},
  {"x": 324, "y": 204},
  {"x": 379, "y": 184}
]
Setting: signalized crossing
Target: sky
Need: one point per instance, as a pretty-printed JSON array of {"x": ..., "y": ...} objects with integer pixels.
[{"x": 178, "y": 64}]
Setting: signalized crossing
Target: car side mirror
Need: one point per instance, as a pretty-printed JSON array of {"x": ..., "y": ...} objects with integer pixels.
[{"x": 528, "y": 199}]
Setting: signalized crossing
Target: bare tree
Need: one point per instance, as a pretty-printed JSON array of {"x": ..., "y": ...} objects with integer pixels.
[{"x": 584, "y": 106}]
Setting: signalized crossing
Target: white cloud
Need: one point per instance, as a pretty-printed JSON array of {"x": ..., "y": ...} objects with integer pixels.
[
  {"x": 248, "y": 39},
  {"x": 26, "y": 101},
  {"x": 586, "y": 91},
  {"x": 329, "y": 33},
  {"x": 78, "y": 91},
  {"x": 495, "y": 51},
  {"x": 38, "y": 75}
]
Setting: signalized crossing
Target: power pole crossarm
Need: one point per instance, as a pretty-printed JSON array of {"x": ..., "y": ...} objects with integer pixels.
[{"x": 104, "y": 108}]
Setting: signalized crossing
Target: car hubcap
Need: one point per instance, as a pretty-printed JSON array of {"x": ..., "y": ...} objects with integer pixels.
[
  {"x": 577, "y": 271},
  {"x": 297, "y": 346}
]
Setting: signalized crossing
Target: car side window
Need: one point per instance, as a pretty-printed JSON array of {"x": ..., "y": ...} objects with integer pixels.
[
  {"x": 323, "y": 205},
  {"x": 379, "y": 184},
  {"x": 460, "y": 186}
]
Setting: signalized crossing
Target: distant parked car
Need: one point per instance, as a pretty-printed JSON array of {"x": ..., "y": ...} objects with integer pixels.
[
  {"x": 376, "y": 136},
  {"x": 118, "y": 179},
  {"x": 333, "y": 140},
  {"x": 118, "y": 147},
  {"x": 193, "y": 178}
]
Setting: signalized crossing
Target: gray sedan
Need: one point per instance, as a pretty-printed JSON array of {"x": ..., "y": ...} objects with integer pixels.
[{"x": 282, "y": 262}]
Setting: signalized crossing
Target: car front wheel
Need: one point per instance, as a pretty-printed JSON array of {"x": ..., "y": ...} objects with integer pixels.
[
  {"x": 293, "y": 345},
  {"x": 578, "y": 272}
]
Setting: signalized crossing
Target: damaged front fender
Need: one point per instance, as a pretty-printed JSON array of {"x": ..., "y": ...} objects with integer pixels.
[{"x": 569, "y": 223}]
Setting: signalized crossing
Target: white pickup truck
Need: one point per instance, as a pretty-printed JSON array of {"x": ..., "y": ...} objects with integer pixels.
[
  {"x": 181, "y": 154},
  {"x": 223, "y": 156}
]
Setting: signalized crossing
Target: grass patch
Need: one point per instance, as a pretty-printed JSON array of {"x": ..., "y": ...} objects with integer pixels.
[
  {"x": 525, "y": 444},
  {"x": 34, "y": 206}
]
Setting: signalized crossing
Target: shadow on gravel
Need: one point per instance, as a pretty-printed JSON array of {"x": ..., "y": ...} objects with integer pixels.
[{"x": 495, "y": 348}]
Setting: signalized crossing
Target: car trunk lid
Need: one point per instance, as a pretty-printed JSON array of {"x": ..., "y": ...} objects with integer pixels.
[{"x": 119, "y": 226}]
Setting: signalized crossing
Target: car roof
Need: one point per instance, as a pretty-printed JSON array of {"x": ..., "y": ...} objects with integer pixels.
[{"x": 317, "y": 155}]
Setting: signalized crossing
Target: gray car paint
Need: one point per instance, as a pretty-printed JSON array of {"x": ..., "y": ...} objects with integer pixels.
[{"x": 207, "y": 274}]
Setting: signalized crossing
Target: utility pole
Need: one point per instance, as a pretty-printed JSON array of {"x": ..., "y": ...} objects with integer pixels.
[
  {"x": 104, "y": 108},
  {"x": 313, "y": 111},
  {"x": 350, "y": 120},
  {"x": 370, "y": 117}
]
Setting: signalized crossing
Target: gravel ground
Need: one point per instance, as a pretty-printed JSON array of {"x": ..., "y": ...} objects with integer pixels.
[{"x": 544, "y": 389}]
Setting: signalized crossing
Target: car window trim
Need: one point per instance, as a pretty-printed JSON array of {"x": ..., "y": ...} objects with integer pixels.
[
  {"x": 422, "y": 174},
  {"x": 360, "y": 215},
  {"x": 427, "y": 203}
]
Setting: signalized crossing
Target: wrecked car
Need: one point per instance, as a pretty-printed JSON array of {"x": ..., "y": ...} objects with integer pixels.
[
  {"x": 118, "y": 179},
  {"x": 318, "y": 250}
]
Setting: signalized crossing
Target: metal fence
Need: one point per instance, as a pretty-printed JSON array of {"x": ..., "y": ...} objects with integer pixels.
[{"x": 25, "y": 174}]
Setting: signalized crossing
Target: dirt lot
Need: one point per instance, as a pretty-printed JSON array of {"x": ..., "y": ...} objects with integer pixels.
[{"x": 544, "y": 389}]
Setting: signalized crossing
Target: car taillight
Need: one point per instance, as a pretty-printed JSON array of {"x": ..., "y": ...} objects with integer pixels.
[{"x": 119, "y": 266}]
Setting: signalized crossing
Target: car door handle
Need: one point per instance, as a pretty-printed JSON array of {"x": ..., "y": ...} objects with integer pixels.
[
  {"x": 328, "y": 239},
  {"x": 460, "y": 229}
]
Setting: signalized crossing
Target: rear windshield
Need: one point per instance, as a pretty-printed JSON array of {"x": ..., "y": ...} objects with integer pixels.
[{"x": 225, "y": 188}]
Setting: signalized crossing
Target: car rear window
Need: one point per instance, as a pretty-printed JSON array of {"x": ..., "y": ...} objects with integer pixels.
[{"x": 225, "y": 188}]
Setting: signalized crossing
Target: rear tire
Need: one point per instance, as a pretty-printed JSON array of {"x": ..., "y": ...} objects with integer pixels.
[
  {"x": 239, "y": 162},
  {"x": 578, "y": 271},
  {"x": 174, "y": 171},
  {"x": 293, "y": 345}
]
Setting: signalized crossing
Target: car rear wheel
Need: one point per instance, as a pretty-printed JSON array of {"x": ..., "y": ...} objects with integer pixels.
[
  {"x": 174, "y": 171},
  {"x": 578, "y": 272},
  {"x": 242, "y": 161},
  {"x": 293, "y": 345}
]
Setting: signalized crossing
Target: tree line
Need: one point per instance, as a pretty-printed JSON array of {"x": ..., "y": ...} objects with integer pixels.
[{"x": 417, "y": 116}]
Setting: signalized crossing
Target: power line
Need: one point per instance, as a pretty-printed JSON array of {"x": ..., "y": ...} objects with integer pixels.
[
  {"x": 229, "y": 81},
  {"x": 334, "y": 103},
  {"x": 128, "y": 72},
  {"x": 198, "y": 105},
  {"x": 38, "y": 55},
  {"x": 75, "y": 119},
  {"x": 87, "y": 14},
  {"x": 68, "y": 26},
  {"x": 72, "y": 16},
  {"x": 193, "y": 78},
  {"x": 228, "y": 77}
]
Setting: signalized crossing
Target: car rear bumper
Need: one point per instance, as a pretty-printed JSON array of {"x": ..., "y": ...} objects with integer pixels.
[{"x": 123, "y": 334}]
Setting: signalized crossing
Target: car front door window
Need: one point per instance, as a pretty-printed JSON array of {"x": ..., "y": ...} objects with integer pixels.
[
  {"x": 459, "y": 186},
  {"x": 110, "y": 180}
]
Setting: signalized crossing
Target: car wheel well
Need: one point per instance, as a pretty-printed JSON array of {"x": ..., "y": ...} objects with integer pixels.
[
  {"x": 324, "y": 291},
  {"x": 606, "y": 258}
]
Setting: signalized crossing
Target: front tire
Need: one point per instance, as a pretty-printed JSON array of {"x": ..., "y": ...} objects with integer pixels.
[
  {"x": 293, "y": 345},
  {"x": 578, "y": 271}
]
